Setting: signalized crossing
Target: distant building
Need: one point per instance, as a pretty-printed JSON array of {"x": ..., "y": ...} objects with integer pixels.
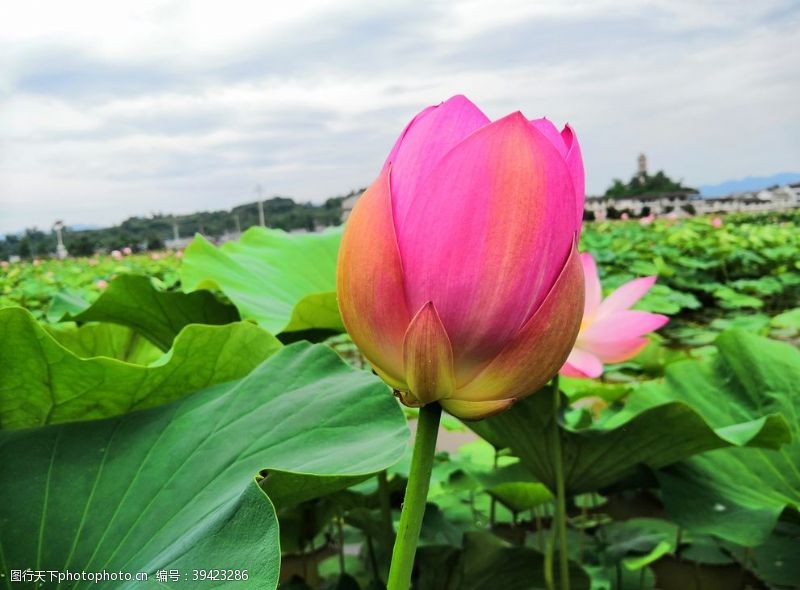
[
  {"x": 779, "y": 198},
  {"x": 347, "y": 205}
]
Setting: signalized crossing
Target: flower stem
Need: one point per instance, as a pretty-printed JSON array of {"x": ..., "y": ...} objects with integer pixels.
[
  {"x": 419, "y": 478},
  {"x": 385, "y": 502},
  {"x": 561, "y": 500}
]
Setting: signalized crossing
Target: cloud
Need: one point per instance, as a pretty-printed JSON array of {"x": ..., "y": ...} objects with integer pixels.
[{"x": 108, "y": 111}]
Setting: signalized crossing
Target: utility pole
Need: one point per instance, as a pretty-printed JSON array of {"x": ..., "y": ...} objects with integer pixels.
[
  {"x": 175, "y": 235},
  {"x": 61, "y": 250},
  {"x": 236, "y": 220},
  {"x": 261, "y": 221}
]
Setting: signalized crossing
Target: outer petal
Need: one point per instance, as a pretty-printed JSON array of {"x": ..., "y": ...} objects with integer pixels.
[
  {"x": 431, "y": 134},
  {"x": 486, "y": 236},
  {"x": 625, "y": 296},
  {"x": 594, "y": 291},
  {"x": 581, "y": 363},
  {"x": 541, "y": 347},
  {"x": 428, "y": 358},
  {"x": 475, "y": 410},
  {"x": 369, "y": 281},
  {"x": 575, "y": 165}
]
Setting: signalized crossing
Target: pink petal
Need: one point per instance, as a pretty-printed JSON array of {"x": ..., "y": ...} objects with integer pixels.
[
  {"x": 369, "y": 282},
  {"x": 486, "y": 236},
  {"x": 583, "y": 364},
  {"x": 594, "y": 292},
  {"x": 549, "y": 130},
  {"x": 432, "y": 133},
  {"x": 539, "y": 349},
  {"x": 615, "y": 351},
  {"x": 575, "y": 165},
  {"x": 622, "y": 325},
  {"x": 625, "y": 296}
]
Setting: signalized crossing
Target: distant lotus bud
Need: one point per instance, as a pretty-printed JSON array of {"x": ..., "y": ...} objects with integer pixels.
[
  {"x": 116, "y": 255},
  {"x": 611, "y": 332},
  {"x": 624, "y": 217},
  {"x": 101, "y": 284},
  {"x": 458, "y": 275},
  {"x": 717, "y": 222},
  {"x": 127, "y": 251}
]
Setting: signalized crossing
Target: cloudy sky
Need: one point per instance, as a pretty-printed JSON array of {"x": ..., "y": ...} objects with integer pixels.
[{"x": 111, "y": 109}]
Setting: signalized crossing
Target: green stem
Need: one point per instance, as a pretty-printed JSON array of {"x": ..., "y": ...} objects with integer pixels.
[
  {"x": 561, "y": 499},
  {"x": 340, "y": 542},
  {"x": 419, "y": 478},
  {"x": 386, "y": 508},
  {"x": 493, "y": 502},
  {"x": 548, "y": 556}
]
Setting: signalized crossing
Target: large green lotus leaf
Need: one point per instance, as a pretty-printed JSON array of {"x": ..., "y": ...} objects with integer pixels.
[
  {"x": 109, "y": 340},
  {"x": 737, "y": 494},
  {"x": 135, "y": 301},
  {"x": 654, "y": 434},
  {"x": 172, "y": 487},
  {"x": 286, "y": 282},
  {"x": 42, "y": 382}
]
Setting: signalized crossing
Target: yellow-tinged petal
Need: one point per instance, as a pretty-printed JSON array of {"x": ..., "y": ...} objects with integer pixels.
[
  {"x": 369, "y": 282},
  {"x": 428, "y": 357},
  {"x": 475, "y": 410},
  {"x": 539, "y": 350}
]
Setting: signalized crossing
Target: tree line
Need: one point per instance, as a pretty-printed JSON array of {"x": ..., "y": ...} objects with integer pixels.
[{"x": 151, "y": 233}]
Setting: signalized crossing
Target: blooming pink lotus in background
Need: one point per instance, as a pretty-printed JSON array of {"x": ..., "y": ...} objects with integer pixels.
[
  {"x": 101, "y": 284},
  {"x": 127, "y": 251},
  {"x": 611, "y": 332},
  {"x": 717, "y": 222},
  {"x": 647, "y": 220},
  {"x": 624, "y": 217},
  {"x": 458, "y": 275},
  {"x": 116, "y": 255}
]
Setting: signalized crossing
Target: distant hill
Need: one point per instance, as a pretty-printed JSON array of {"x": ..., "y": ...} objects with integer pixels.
[
  {"x": 749, "y": 183},
  {"x": 152, "y": 232}
]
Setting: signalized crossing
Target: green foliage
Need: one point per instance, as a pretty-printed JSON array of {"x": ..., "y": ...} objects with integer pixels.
[
  {"x": 601, "y": 455},
  {"x": 285, "y": 282},
  {"x": 172, "y": 487},
  {"x": 49, "y": 383},
  {"x": 161, "y": 431},
  {"x": 140, "y": 303},
  {"x": 737, "y": 494}
]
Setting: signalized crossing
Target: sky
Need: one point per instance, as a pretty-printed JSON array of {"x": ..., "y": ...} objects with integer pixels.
[{"x": 114, "y": 109}]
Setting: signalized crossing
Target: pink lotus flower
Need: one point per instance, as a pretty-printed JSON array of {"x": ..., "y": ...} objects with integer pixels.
[
  {"x": 458, "y": 276},
  {"x": 611, "y": 332},
  {"x": 717, "y": 222},
  {"x": 624, "y": 217},
  {"x": 127, "y": 251},
  {"x": 101, "y": 284},
  {"x": 116, "y": 255},
  {"x": 647, "y": 220}
]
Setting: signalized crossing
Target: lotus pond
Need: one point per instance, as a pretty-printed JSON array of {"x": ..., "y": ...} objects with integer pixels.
[{"x": 202, "y": 419}]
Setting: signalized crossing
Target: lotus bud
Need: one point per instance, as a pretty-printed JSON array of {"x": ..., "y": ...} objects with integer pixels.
[{"x": 458, "y": 276}]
